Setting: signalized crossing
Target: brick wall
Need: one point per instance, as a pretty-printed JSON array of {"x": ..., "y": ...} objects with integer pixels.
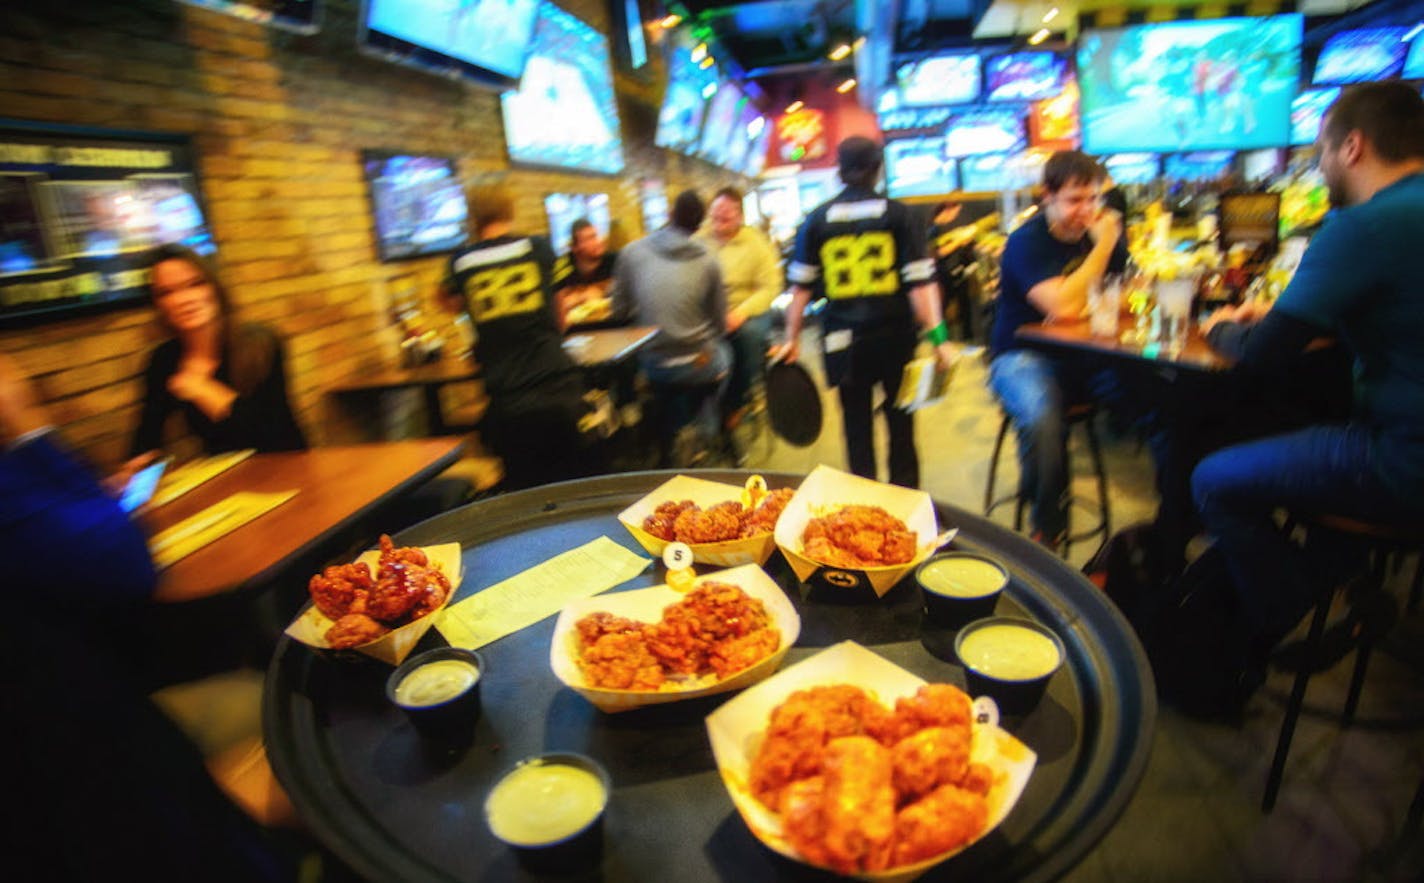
[{"x": 278, "y": 122}]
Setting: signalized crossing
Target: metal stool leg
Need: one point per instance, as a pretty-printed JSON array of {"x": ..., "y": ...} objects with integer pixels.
[
  {"x": 1416, "y": 589},
  {"x": 1293, "y": 706},
  {"x": 994, "y": 466},
  {"x": 1096, "y": 451}
]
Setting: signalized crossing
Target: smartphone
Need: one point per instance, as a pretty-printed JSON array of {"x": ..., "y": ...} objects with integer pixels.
[{"x": 142, "y": 485}]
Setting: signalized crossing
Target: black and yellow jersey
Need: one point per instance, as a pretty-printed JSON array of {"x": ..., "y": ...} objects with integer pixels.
[
  {"x": 863, "y": 253},
  {"x": 505, "y": 285}
]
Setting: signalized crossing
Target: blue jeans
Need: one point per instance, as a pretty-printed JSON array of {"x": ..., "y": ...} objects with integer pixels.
[
  {"x": 1319, "y": 469},
  {"x": 1034, "y": 391},
  {"x": 748, "y": 354},
  {"x": 680, "y": 409}
]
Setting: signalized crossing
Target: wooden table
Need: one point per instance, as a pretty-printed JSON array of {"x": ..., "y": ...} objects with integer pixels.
[
  {"x": 335, "y": 486},
  {"x": 606, "y": 346},
  {"x": 590, "y": 349},
  {"x": 1197, "y": 355}
]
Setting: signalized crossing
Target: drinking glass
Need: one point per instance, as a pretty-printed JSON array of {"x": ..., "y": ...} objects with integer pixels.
[
  {"x": 1105, "y": 300},
  {"x": 1175, "y": 298}
]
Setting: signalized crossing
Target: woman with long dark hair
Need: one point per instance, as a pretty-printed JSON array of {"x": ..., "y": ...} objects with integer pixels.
[{"x": 226, "y": 378}]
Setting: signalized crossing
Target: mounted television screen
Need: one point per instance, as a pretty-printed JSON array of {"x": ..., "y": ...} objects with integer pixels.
[
  {"x": 565, "y": 208},
  {"x": 685, "y": 102},
  {"x": 1190, "y": 85},
  {"x": 485, "y": 41},
  {"x": 985, "y": 130},
  {"x": 1024, "y": 76},
  {"x": 1132, "y": 168},
  {"x": 1306, "y": 112},
  {"x": 718, "y": 129},
  {"x": 1054, "y": 122},
  {"x": 749, "y": 125},
  {"x": 990, "y": 174},
  {"x": 1201, "y": 165},
  {"x": 942, "y": 79},
  {"x": 1414, "y": 64},
  {"x": 417, "y": 201},
  {"x": 79, "y": 208},
  {"x": 1361, "y": 55},
  {"x": 1261, "y": 165},
  {"x": 756, "y": 156},
  {"x": 292, "y": 15},
  {"x": 918, "y": 167},
  {"x": 564, "y": 112}
]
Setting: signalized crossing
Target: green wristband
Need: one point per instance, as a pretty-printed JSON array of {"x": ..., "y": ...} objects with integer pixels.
[{"x": 938, "y": 334}]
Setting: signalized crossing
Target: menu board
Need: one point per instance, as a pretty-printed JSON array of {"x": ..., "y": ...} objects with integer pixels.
[{"x": 78, "y": 209}]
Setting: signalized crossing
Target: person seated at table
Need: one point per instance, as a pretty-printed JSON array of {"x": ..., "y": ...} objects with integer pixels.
[
  {"x": 670, "y": 280},
  {"x": 953, "y": 247},
  {"x": 1358, "y": 282},
  {"x": 227, "y": 378},
  {"x": 502, "y": 280},
  {"x": 751, "y": 270},
  {"x": 582, "y": 278},
  {"x": 91, "y": 760},
  {"x": 1048, "y": 266}
]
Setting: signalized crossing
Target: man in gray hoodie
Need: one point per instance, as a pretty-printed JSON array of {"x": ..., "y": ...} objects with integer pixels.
[{"x": 671, "y": 280}]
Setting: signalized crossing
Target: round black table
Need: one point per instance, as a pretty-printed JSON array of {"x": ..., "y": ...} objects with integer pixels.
[{"x": 394, "y": 808}]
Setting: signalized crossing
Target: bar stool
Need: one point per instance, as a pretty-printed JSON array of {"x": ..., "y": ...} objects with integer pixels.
[
  {"x": 1384, "y": 541},
  {"x": 1081, "y": 416}
]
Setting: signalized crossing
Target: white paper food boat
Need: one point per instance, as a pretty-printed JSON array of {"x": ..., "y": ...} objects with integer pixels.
[
  {"x": 646, "y": 605},
  {"x": 311, "y": 625},
  {"x": 737, "y": 727}
]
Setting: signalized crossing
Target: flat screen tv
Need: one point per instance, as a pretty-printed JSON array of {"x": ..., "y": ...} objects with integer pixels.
[
  {"x": 23, "y": 247},
  {"x": 940, "y": 79},
  {"x": 1190, "y": 85},
  {"x": 1133, "y": 168},
  {"x": 985, "y": 130},
  {"x": 485, "y": 41},
  {"x": 685, "y": 101},
  {"x": 1414, "y": 64},
  {"x": 1361, "y": 55},
  {"x": 302, "y": 16},
  {"x": 564, "y": 113},
  {"x": 723, "y": 112},
  {"x": 1024, "y": 76},
  {"x": 756, "y": 153},
  {"x": 1262, "y": 165},
  {"x": 1054, "y": 122},
  {"x": 749, "y": 125},
  {"x": 918, "y": 167},
  {"x": 565, "y": 208},
  {"x": 990, "y": 174},
  {"x": 417, "y": 202},
  {"x": 1306, "y": 112},
  {"x": 1199, "y": 165}
]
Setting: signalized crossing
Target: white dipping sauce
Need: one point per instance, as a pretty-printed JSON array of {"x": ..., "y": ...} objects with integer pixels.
[
  {"x": 1009, "y": 652},
  {"x": 541, "y": 803},
  {"x": 436, "y": 682},
  {"x": 962, "y": 577}
]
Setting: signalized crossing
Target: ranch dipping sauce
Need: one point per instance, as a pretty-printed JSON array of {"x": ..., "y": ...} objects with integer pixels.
[
  {"x": 436, "y": 682},
  {"x": 540, "y": 803},
  {"x": 1009, "y": 652},
  {"x": 961, "y": 576}
]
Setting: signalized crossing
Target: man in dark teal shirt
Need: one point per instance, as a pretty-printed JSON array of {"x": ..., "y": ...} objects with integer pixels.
[{"x": 1360, "y": 281}]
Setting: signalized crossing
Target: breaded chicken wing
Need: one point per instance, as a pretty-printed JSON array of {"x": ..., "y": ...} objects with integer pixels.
[
  {"x": 948, "y": 817},
  {"x": 859, "y": 804}
]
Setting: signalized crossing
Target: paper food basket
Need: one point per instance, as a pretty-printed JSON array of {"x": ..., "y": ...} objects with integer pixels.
[
  {"x": 737, "y": 727},
  {"x": 647, "y": 605},
  {"x": 311, "y": 625},
  {"x": 826, "y": 490},
  {"x": 751, "y": 550}
]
